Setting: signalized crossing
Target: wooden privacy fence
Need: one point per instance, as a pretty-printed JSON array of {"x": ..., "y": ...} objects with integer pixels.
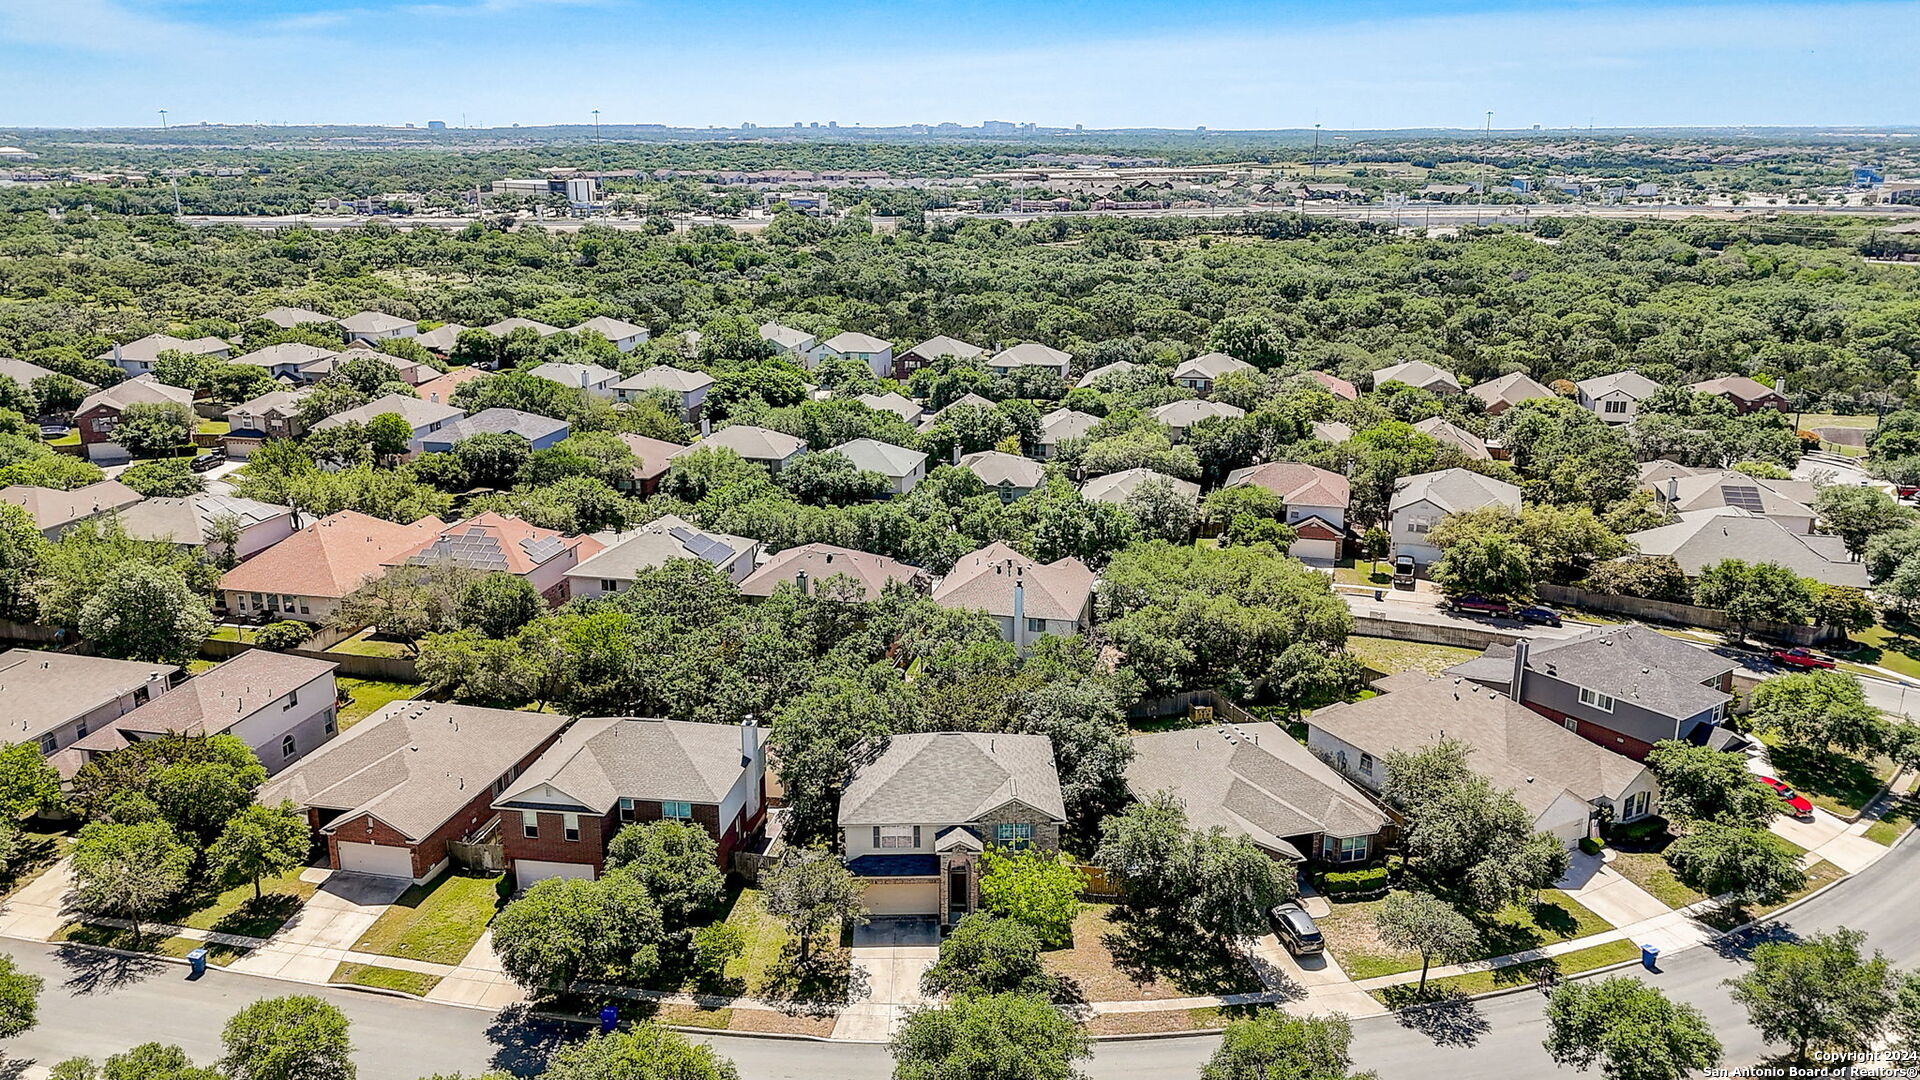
[{"x": 1664, "y": 611}]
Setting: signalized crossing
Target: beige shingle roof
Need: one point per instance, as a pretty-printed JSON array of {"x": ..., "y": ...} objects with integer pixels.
[
  {"x": 662, "y": 377},
  {"x": 41, "y": 690},
  {"x": 417, "y": 413},
  {"x": 1510, "y": 389},
  {"x": 1210, "y": 366},
  {"x": 882, "y": 457},
  {"x": 997, "y": 467},
  {"x": 138, "y": 388},
  {"x": 601, "y": 760},
  {"x": 1297, "y": 483},
  {"x": 1031, "y": 354},
  {"x": 290, "y": 317},
  {"x": 1452, "y": 434},
  {"x": 851, "y": 342},
  {"x": 951, "y": 778},
  {"x": 822, "y": 561},
  {"x": 1416, "y": 373},
  {"x": 985, "y": 580},
  {"x": 610, "y": 328},
  {"x": 1118, "y": 487},
  {"x": 936, "y": 347},
  {"x": 52, "y": 508},
  {"x": 213, "y": 701},
  {"x": 373, "y": 322},
  {"x": 754, "y": 443}
]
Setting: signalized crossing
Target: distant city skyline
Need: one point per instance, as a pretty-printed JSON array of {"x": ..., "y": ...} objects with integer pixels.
[{"x": 1236, "y": 64}]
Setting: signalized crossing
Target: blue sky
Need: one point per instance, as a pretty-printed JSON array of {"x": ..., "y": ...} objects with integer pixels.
[{"x": 1117, "y": 63}]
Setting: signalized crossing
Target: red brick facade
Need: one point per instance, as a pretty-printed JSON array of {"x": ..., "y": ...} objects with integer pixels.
[
  {"x": 1594, "y": 733},
  {"x": 597, "y": 831}
]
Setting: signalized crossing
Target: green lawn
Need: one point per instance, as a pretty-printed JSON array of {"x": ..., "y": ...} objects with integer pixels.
[
  {"x": 213, "y": 427},
  {"x": 1649, "y": 870},
  {"x": 1834, "y": 782},
  {"x": 1351, "y": 934},
  {"x": 365, "y": 643},
  {"x": 1533, "y": 971},
  {"x": 235, "y": 633},
  {"x": 364, "y": 696},
  {"x": 407, "y": 982},
  {"x": 235, "y": 911},
  {"x": 1390, "y": 657},
  {"x": 146, "y": 942},
  {"x": 1895, "y": 648},
  {"x": 1893, "y": 824},
  {"x": 1375, "y": 574},
  {"x": 766, "y": 939},
  {"x": 200, "y": 667},
  {"x": 437, "y": 922},
  {"x": 1819, "y": 876}
]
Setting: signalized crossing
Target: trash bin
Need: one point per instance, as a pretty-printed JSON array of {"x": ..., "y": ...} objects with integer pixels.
[
  {"x": 1379, "y": 595},
  {"x": 197, "y": 963},
  {"x": 609, "y": 1018},
  {"x": 1650, "y": 958}
]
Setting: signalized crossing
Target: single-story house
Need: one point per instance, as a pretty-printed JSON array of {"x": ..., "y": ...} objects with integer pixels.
[
  {"x": 540, "y": 432},
  {"x": 1178, "y": 416},
  {"x": 394, "y": 790},
  {"x": 806, "y": 567},
  {"x": 1060, "y": 425},
  {"x": 1026, "y": 599},
  {"x": 501, "y": 542},
  {"x": 53, "y": 699},
  {"x": 1118, "y": 487},
  {"x": 423, "y": 417},
  {"x": 874, "y": 352},
  {"x": 625, "y": 336},
  {"x": 1704, "y": 537},
  {"x": 197, "y": 520},
  {"x": 55, "y": 511},
  {"x": 902, "y": 467},
  {"x": 373, "y": 327},
  {"x": 1200, "y": 373},
  {"x": 1316, "y": 501},
  {"x": 587, "y": 378},
  {"x": 930, "y": 350},
  {"x": 1420, "y": 501},
  {"x": 774, "y": 449},
  {"x": 1615, "y": 398},
  {"x": 1418, "y": 374},
  {"x": 1748, "y": 395},
  {"x": 1513, "y": 388},
  {"x": 1009, "y": 474},
  {"x": 691, "y": 386},
  {"x": 305, "y": 576},
  {"x": 1681, "y": 489},
  {"x": 284, "y": 361},
  {"x": 1031, "y": 354},
  {"x": 624, "y": 555}
]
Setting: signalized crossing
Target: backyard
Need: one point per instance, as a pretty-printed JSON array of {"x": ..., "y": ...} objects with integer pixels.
[
  {"x": 366, "y": 696},
  {"x": 1390, "y": 657},
  {"x": 367, "y": 643},
  {"x": 438, "y": 922}
]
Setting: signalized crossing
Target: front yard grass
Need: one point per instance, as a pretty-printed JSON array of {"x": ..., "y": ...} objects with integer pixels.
[
  {"x": 365, "y": 696},
  {"x": 1835, "y": 783},
  {"x": 1893, "y": 823},
  {"x": 39, "y": 850},
  {"x": 385, "y": 978},
  {"x": 1894, "y": 647},
  {"x": 1116, "y": 956},
  {"x": 1649, "y": 870},
  {"x": 1819, "y": 875},
  {"x": 1351, "y": 933},
  {"x": 1527, "y": 974},
  {"x": 1352, "y": 572},
  {"x": 437, "y": 922},
  {"x": 146, "y": 942},
  {"x": 1390, "y": 657},
  {"x": 235, "y": 911}
]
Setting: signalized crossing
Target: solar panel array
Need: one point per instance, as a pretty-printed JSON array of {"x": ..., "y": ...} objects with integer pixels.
[
  {"x": 475, "y": 548},
  {"x": 703, "y": 546},
  {"x": 540, "y": 548},
  {"x": 1743, "y": 496}
]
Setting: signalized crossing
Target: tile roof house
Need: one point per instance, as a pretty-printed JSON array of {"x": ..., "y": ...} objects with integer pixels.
[
  {"x": 1623, "y": 687},
  {"x": 55, "y": 511},
  {"x": 304, "y": 576},
  {"x": 1448, "y": 433},
  {"x": 903, "y": 407},
  {"x": 1254, "y": 780},
  {"x": 1788, "y": 502},
  {"x": 1335, "y": 385},
  {"x": 1030, "y": 354},
  {"x": 808, "y": 566},
  {"x": 1178, "y": 416},
  {"x": 56, "y": 698},
  {"x": 1009, "y": 474},
  {"x": 286, "y": 318},
  {"x": 902, "y": 467},
  {"x": 100, "y": 411},
  {"x": 876, "y": 353},
  {"x": 1316, "y": 501},
  {"x": 377, "y": 326},
  {"x": 137, "y": 357},
  {"x": 1060, "y": 425},
  {"x": 391, "y": 792},
  {"x": 652, "y": 457},
  {"x": 1200, "y": 373},
  {"x": 440, "y": 388},
  {"x": 424, "y": 417},
  {"x": 1748, "y": 395},
  {"x": 774, "y": 449},
  {"x": 934, "y": 348},
  {"x": 625, "y": 555},
  {"x": 197, "y": 521},
  {"x": 608, "y": 772},
  {"x": 1026, "y": 599},
  {"x": 1419, "y": 502},
  {"x": 691, "y": 386},
  {"x": 499, "y": 542},
  {"x": 915, "y": 819},
  {"x": 1118, "y": 487},
  {"x": 625, "y": 336},
  {"x": 1615, "y": 398},
  {"x": 1704, "y": 537},
  {"x": 1418, "y": 374},
  {"x": 284, "y": 361},
  {"x": 540, "y": 432},
  {"x": 441, "y": 339},
  {"x": 1564, "y": 781},
  {"x": 587, "y": 378},
  {"x": 1513, "y": 388},
  {"x": 279, "y": 704}
]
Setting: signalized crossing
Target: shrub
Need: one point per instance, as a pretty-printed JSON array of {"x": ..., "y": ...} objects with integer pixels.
[
  {"x": 283, "y": 635},
  {"x": 716, "y": 945},
  {"x": 1347, "y": 882},
  {"x": 1634, "y": 831},
  {"x": 1590, "y": 846}
]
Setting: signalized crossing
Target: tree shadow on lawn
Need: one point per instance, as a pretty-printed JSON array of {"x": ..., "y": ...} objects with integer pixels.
[
  {"x": 817, "y": 985},
  {"x": 260, "y": 918},
  {"x": 1447, "y": 1016},
  {"x": 1844, "y": 779},
  {"x": 1147, "y": 949}
]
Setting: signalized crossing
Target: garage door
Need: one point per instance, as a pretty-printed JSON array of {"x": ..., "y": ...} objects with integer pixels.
[
  {"x": 376, "y": 859},
  {"x": 903, "y": 897},
  {"x": 529, "y": 871},
  {"x": 1308, "y": 550}
]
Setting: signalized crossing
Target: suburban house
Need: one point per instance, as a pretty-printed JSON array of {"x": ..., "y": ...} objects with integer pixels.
[
  {"x": 272, "y": 415},
  {"x": 1178, "y": 416},
  {"x": 930, "y": 350},
  {"x": 1704, "y": 537},
  {"x": 1117, "y": 488},
  {"x": 1786, "y": 501},
  {"x": 871, "y": 351},
  {"x": 1060, "y": 425},
  {"x": 440, "y": 388},
  {"x": 1623, "y": 687},
  {"x": 286, "y": 318},
  {"x": 305, "y": 576},
  {"x": 587, "y": 378},
  {"x": 1118, "y": 367},
  {"x": 53, "y": 699},
  {"x": 137, "y": 357},
  {"x": 774, "y": 449},
  {"x": 625, "y": 336},
  {"x": 374, "y": 327},
  {"x": 1418, "y": 374},
  {"x": 964, "y": 401},
  {"x": 1448, "y": 433},
  {"x": 423, "y": 417},
  {"x": 1615, "y": 398},
  {"x": 1008, "y": 474},
  {"x": 1564, "y": 781},
  {"x": 1511, "y": 389},
  {"x": 407, "y": 371},
  {"x": 1030, "y": 354},
  {"x": 540, "y": 432},
  {"x": 652, "y": 458},
  {"x": 284, "y": 361},
  {"x": 199, "y": 521},
  {"x": 1335, "y": 385},
  {"x": 689, "y": 386},
  {"x": 393, "y": 791},
  {"x": 100, "y": 411},
  {"x": 1254, "y": 780},
  {"x": 24, "y": 373},
  {"x": 809, "y": 566},
  {"x": 1420, "y": 501},
  {"x": 440, "y": 340},
  {"x": 1316, "y": 501},
  {"x": 507, "y": 326},
  {"x": 902, "y": 467},
  {"x": 279, "y": 704},
  {"x": 1026, "y": 599},
  {"x": 607, "y": 772},
  {"x": 916, "y": 819},
  {"x": 903, "y": 407},
  {"x": 55, "y": 511},
  {"x": 613, "y": 568},
  {"x": 1332, "y": 431},
  {"x": 1748, "y": 395},
  {"x": 797, "y": 346},
  {"x": 1200, "y": 373},
  {"x": 498, "y": 542}
]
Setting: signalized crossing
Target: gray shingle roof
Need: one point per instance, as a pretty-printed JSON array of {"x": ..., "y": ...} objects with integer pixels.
[
  {"x": 882, "y": 457},
  {"x": 951, "y": 778},
  {"x": 1630, "y": 663},
  {"x": 1704, "y": 537},
  {"x": 1455, "y": 491},
  {"x": 290, "y": 317},
  {"x": 903, "y": 407},
  {"x": 1210, "y": 366},
  {"x": 1031, "y": 354},
  {"x": 662, "y": 377},
  {"x": 851, "y": 342},
  {"x": 786, "y": 337},
  {"x": 529, "y": 426},
  {"x": 996, "y": 467},
  {"x": 1116, "y": 368},
  {"x": 1452, "y": 434},
  {"x": 1066, "y": 424},
  {"x": 1185, "y": 414},
  {"x": 936, "y": 347},
  {"x": 190, "y": 519},
  {"x": 610, "y": 328},
  {"x": 578, "y": 376},
  {"x": 822, "y": 561},
  {"x": 39, "y": 690},
  {"x": 53, "y": 508},
  {"x": 373, "y": 322},
  {"x": 601, "y": 760},
  {"x": 139, "y": 388},
  {"x": 1416, "y": 373},
  {"x": 215, "y": 700},
  {"x": 1120, "y": 486},
  {"x": 1631, "y": 383}
]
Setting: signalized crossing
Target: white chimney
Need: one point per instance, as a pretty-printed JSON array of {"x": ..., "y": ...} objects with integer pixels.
[
  {"x": 749, "y": 740},
  {"x": 1019, "y": 614}
]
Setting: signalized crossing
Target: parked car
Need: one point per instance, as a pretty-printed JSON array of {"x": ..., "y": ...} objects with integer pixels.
[
  {"x": 1544, "y": 616},
  {"x": 1800, "y": 658},
  {"x": 1908, "y": 491},
  {"x": 53, "y": 431},
  {"x": 1403, "y": 570},
  {"x": 212, "y": 459},
  {"x": 1296, "y": 930},
  {"x": 1795, "y": 801},
  {"x": 1479, "y": 605}
]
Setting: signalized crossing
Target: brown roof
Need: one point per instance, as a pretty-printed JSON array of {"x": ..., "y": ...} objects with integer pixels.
[
  {"x": 441, "y": 387},
  {"x": 984, "y": 581},
  {"x": 654, "y": 455},
  {"x": 1341, "y": 388},
  {"x": 1738, "y": 387},
  {"x": 330, "y": 557},
  {"x": 212, "y": 702},
  {"x": 822, "y": 561},
  {"x": 1297, "y": 483},
  {"x": 53, "y": 508},
  {"x": 492, "y": 541}
]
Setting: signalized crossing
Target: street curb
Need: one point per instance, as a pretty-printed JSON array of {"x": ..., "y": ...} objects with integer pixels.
[{"x": 569, "y": 1018}]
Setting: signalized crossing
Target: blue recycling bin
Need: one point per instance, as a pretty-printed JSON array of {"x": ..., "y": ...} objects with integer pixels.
[
  {"x": 1650, "y": 958},
  {"x": 609, "y": 1018},
  {"x": 196, "y": 963}
]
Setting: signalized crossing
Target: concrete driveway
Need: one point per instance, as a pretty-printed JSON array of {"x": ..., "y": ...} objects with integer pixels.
[
  {"x": 1316, "y": 982},
  {"x": 310, "y": 946},
  {"x": 889, "y": 955}
]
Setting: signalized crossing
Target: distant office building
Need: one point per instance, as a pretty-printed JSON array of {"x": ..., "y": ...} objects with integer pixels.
[{"x": 436, "y": 125}]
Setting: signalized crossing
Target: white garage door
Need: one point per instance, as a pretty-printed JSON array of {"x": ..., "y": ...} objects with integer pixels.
[
  {"x": 376, "y": 859},
  {"x": 529, "y": 871},
  {"x": 903, "y": 897},
  {"x": 1325, "y": 551}
]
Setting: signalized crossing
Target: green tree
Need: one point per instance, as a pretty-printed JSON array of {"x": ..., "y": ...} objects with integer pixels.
[
  {"x": 1857, "y": 514},
  {"x": 1040, "y": 890},
  {"x": 1820, "y": 992},
  {"x": 28, "y": 784},
  {"x": 1274, "y": 1045},
  {"x": 283, "y": 635},
  {"x": 987, "y": 954},
  {"x": 389, "y": 434},
  {"x": 677, "y": 862},
  {"x": 1235, "y": 885},
  {"x": 566, "y": 930},
  {"x": 19, "y": 999},
  {"x": 1753, "y": 593},
  {"x": 1820, "y": 710},
  {"x": 1747, "y": 865},
  {"x": 297, "y": 1037},
  {"x": 499, "y": 604},
  {"x": 166, "y": 479},
  {"x": 146, "y": 612},
  {"x": 128, "y": 871},
  {"x": 716, "y": 945},
  {"x": 20, "y": 550},
  {"x": 813, "y": 893},
  {"x": 260, "y": 841},
  {"x": 1003, "y": 1036},
  {"x": 640, "y": 1052},
  {"x": 1422, "y": 923},
  {"x": 1630, "y": 1030},
  {"x": 1493, "y": 566},
  {"x": 1161, "y": 512},
  {"x": 153, "y": 428},
  {"x": 148, "y": 1061},
  {"x": 1150, "y": 850},
  {"x": 1704, "y": 784}
]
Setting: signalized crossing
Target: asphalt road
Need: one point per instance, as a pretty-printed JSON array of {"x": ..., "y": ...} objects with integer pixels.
[{"x": 96, "y": 1005}]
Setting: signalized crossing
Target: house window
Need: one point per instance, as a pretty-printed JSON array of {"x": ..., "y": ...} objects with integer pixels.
[
  {"x": 140, "y": 695},
  {"x": 529, "y": 824},
  {"x": 1616, "y": 405},
  {"x": 609, "y": 585},
  {"x": 626, "y": 810},
  {"x": 570, "y": 827},
  {"x": 1596, "y": 700},
  {"x": 1571, "y": 724},
  {"x": 329, "y": 725},
  {"x": 1346, "y": 848},
  {"x": 1366, "y": 764},
  {"x": 1015, "y": 835},
  {"x": 48, "y": 744},
  {"x": 1419, "y": 525},
  {"x": 288, "y": 747},
  {"x": 676, "y": 811},
  {"x": 896, "y": 836},
  {"x": 293, "y": 698},
  {"x": 80, "y": 730},
  {"x": 303, "y": 606},
  {"x": 1036, "y": 626}
]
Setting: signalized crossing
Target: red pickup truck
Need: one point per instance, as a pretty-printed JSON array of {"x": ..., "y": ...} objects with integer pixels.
[{"x": 1800, "y": 658}]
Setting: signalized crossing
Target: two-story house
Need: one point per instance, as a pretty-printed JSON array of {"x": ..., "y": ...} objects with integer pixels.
[
  {"x": 284, "y": 361},
  {"x": 774, "y": 449},
  {"x": 624, "y": 335},
  {"x": 1418, "y": 374},
  {"x": 591, "y": 379},
  {"x": 797, "y": 346},
  {"x": 1316, "y": 500},
  {"x": 272, "y": 415},
  {"x": 903, "y": 468},
  {"x": 690, "y": 387},
  {"x": 1747, "y": 395},
  {"x": 138, "y": 357},
  {"x": 875, "y": 353},
  {"x": 1027, "y": 600},
  {"x": 1200, "y": 373},
  {"x": 374, "y": 327},
  {"x": 52, "y": 699},
  {"x": 1060, "y": 425},
  {"x": 422, "y": 417},
  {"x": 99, "y": 413},
  {"x": 915, "y": 820},
  {"x": 609, "y": 772},
  {"x": 1420, "y": 501},
  {"x": 1615, "y": 398},
  {"x": 1031, "y": 354},
  {"x": 931, "y": 350},
  {"x": 1503, "y": 393}
]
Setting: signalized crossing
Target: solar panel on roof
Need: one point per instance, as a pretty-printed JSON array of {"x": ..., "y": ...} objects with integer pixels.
[{"x": 1742, "y": 496}]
